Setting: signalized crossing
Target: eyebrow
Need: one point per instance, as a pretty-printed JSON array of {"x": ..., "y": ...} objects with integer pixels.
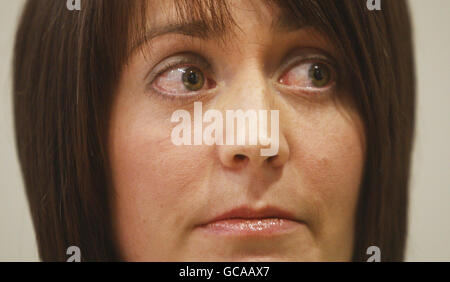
[
  {"x": 198, "y": 29},
  {"x": 287, "y": 23},
  {"x": 203, "y": 30}
]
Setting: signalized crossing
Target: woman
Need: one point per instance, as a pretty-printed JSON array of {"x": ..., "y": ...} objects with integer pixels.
[{"x": 97, "y": 94}]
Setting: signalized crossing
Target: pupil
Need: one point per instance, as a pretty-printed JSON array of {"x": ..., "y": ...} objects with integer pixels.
[
  {"x": 317, "y": 73},
  {"x": 192, "y": 77}
]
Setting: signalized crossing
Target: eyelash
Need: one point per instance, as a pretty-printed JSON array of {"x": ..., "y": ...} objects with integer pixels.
[
  {"x": 202, "y": 64},
  {"x": 182, "y": 62},
  {"x": 313, "y": 60}
]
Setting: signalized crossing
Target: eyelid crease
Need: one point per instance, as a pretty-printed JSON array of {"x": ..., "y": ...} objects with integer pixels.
[
  {"x": 294, "y": 58},
  {"x": 311, "y": 52},
  {"x": 304, "y": 56},
  {"x": 175, "y": 60},
  {"x": 333, "y": 70}
]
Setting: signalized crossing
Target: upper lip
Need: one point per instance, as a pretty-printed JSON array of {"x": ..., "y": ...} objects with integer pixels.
[{"x": 245, "y": 212}]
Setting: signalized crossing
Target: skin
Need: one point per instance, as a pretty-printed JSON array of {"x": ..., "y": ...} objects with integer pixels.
[{"x": 162, "y": 192}]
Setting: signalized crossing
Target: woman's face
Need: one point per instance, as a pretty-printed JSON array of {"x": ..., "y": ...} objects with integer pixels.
[{"x": 230, "y": 202}]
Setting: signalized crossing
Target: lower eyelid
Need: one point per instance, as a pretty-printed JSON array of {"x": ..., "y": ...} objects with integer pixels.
[
  {"x": 307, "y": 91},
  {"x": 211, "y": 83},
  {"x": 179, "y": 66},
  {"x": 331, "y": 84},
  {"x": 181, "y": 60},
  {"x": 187, "y": 96},
  {"x": 182, "y": 100}
]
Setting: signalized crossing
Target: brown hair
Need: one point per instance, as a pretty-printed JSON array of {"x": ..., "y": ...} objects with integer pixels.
[{"x": 66, "y": 69}]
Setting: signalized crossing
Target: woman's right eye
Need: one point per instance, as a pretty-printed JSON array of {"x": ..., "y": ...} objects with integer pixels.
[{"x": 182, "y": 80}]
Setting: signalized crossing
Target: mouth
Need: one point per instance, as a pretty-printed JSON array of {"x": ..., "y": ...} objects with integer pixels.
[{"x": 244, "y": 221}]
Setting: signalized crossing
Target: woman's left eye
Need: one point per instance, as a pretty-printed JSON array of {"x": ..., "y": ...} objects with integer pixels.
[
  {"x": 181, "y": 80},
  {"x": 308, "y": 75}
]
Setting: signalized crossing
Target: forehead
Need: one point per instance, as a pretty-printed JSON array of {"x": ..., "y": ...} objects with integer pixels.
[
  {"x": 217, "y": 18},
  {"x": 182, "y": 10},
  {"x": 222, "y": 20}
]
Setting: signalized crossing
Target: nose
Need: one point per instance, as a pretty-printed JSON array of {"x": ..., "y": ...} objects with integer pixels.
[
  {"x": 239, "y": 156},
  {"x": 253, "y": 98}
]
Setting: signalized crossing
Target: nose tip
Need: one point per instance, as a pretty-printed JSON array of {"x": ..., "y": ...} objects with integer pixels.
[{"x": 240, "y": 156}]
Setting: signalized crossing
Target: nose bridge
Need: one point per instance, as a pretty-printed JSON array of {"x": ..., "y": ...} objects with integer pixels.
[
  {"x": 247, "y": 105},
  {"x": 248, "y": 89}
]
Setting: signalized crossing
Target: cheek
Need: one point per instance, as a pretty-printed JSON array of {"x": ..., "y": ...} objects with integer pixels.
[
  {"x": 328, "y": 159},
  {"x": 152, "y": 181},
  {"x": 148, "y": 167},
  {"x": 328, "y": 149},
  {"x": 331, "y": 158}
]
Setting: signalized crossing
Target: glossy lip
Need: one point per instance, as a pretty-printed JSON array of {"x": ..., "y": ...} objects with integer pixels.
[{"x": 244, "y": 221}]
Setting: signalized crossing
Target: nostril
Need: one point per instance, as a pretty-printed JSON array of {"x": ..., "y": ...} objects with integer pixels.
[
  {"x": 272, "y": 158},
  {"x": 239, "y": 157}
]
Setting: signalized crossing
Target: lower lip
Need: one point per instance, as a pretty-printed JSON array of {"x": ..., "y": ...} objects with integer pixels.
[{"x": 249, "y": 227}]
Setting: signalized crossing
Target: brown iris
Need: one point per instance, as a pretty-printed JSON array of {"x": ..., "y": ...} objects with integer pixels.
[
  {"x": 193, "y": 79},
  {"x": 319, "y": 74}
]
